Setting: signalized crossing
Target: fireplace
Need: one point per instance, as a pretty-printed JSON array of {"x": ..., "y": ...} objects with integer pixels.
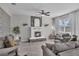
[{"x": 37, "y": 34}]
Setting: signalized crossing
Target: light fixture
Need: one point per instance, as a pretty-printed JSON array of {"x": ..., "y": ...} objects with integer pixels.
[
  {"x": 53, "y": 28},
  {"x": 44, "y": 13}
]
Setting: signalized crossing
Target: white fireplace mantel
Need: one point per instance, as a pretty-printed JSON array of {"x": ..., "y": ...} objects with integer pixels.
[{"x": 36, "y": 29}]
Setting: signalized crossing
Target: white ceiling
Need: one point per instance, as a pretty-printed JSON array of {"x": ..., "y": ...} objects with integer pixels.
[{"x": 56, "y": 9}]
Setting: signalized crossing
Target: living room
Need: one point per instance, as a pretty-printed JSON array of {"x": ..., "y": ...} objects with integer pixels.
[{"x": 35, "y": 25}]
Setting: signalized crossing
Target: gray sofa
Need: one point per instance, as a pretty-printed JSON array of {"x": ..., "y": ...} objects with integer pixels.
[{"x": 61, "y": 49}]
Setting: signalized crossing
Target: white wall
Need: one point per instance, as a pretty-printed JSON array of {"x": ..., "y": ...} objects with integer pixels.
[
  {"x": 5, "y": 8},
  {"x": 77, "y": 23},
  {"x": 18, "y": 20},
  {"x": 4, "y": 23},
  {"x": 48, "y": 29}
]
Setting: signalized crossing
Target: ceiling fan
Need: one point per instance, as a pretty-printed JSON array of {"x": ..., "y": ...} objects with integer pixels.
[
  {"x": 42, "y": 12},
  {"x": 13, "y": 3}
]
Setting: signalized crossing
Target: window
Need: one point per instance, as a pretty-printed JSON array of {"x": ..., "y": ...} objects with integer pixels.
[{"x": 64, "y": 24}]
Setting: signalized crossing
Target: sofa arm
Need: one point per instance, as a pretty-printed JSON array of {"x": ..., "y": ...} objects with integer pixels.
[
  {"x": 13, "y": 52},
  {"x": 6, "y": 51},
  {"x": 47, "y": 51}
]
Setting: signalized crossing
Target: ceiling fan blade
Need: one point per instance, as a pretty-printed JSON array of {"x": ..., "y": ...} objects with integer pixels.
[
  {"x": 47, "y": 12},
  {"x": 39, "y": 12},
  {"x": 47, "y": 15},
  {"x": 42, "y": 12}
]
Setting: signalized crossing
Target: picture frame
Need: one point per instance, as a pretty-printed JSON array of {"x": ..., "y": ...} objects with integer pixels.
[{"x": 36, "y": 21}]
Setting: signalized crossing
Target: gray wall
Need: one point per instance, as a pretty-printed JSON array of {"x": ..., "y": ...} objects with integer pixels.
[{"x": 4, "y": 23}]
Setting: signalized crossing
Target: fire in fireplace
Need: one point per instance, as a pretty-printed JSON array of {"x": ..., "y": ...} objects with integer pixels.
[{"x": 37, "y": 34}]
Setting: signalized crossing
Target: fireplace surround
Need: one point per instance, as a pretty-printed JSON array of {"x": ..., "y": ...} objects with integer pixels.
[{"x": 36, "y": 29}]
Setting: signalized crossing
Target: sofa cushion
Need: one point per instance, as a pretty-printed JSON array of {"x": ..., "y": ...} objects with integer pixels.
[
  {"x": 47, "y": 51},
  {"x": 50, "y": 45},
  {"x": 71, "y": 44},
  {"x": 1, "y": 44},
  {"x": 5, "y": 51},
  {"x": 71, "y": 52},
  {"x": 60, "y": 47}
]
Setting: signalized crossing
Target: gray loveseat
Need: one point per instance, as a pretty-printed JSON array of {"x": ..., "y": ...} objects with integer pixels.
[{"x": 61, "y": 49}]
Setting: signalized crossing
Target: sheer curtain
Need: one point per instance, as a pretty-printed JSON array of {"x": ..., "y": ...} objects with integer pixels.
[
  {"x": 68, "y": 23},
  {"x": 65, "y": 23}
]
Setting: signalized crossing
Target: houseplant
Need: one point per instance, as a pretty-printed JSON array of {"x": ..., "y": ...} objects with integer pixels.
[{"x": 16, "y": 31}]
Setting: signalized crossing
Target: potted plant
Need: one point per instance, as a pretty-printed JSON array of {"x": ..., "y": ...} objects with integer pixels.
[{"x": 16, "y": 31}]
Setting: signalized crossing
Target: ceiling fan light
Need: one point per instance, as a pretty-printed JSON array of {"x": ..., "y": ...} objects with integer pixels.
[{"x": 43, "y": 15}]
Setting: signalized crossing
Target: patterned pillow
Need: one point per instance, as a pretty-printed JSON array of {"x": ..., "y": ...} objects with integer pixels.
[
  {"x": 12, "y": 43},
  {"x": 71, "y": 44},
  {"x": 59, "y": 47},
  {"x": 9, "y": 43}
]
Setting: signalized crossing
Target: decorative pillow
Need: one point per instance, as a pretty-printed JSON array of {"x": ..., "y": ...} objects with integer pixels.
[
  {"x": 9, "y": 43},
  {"x": 12, "y": 43},
  {"x": 59, "y": 47},
  {"x": 1, "y": 44},
  {"x": 71, "y": 44},
  {"x": 6, "y": 43},
  {"x": 49, "y": 45},
  {"x": 76, "y": 44}
]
